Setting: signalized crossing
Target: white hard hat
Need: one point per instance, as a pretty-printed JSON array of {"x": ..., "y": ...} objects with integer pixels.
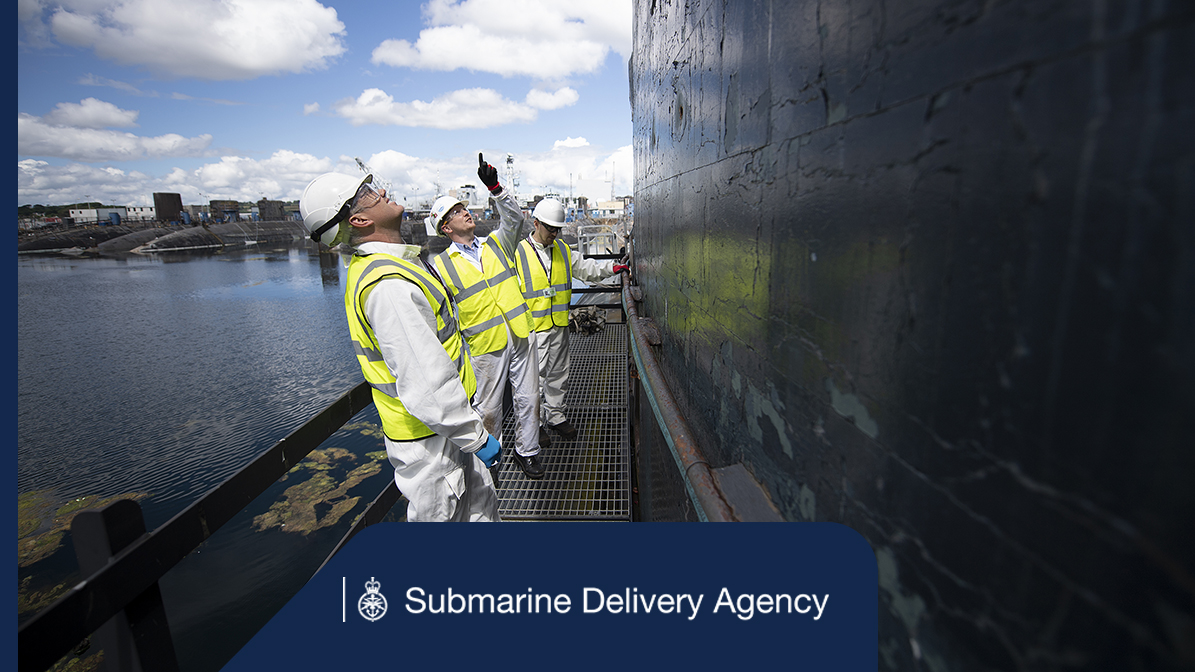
[
  {"x": 441, "y": 207},
  {"x": 549, "y": 211},
  {"x": 325, "y": 204}
]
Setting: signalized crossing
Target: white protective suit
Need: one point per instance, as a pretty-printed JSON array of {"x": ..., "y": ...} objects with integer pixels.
[
  {"x": 517, "y": 361},
  {"x": 553, "y": 343},
  {"x": 441, "y": 476}
]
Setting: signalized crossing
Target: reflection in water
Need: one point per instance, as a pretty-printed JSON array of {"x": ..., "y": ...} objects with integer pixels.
[
  {"x": 164, "y": 375},
  {"x": 330, "y": 268}
]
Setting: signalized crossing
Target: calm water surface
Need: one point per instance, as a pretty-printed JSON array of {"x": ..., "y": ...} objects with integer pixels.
[{"x": 167, "y": 374}]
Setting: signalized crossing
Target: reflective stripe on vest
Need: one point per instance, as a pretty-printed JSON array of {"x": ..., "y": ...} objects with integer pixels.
[
  {"x": 365, "y": 271},
  {"x": 546, "y": 311},
  {"x": 487, "y": 299}
]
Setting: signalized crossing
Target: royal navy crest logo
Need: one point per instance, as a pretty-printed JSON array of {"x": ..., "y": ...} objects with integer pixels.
[{"x": 372, "y": 604}]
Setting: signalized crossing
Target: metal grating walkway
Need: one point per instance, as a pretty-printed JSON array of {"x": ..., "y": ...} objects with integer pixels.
[{"x": 589, "y": 477}]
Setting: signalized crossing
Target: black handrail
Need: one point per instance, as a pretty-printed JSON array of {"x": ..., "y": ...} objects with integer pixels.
[
  {"x": 58, "y": 628},
  {"x": 602, "y": 290}
]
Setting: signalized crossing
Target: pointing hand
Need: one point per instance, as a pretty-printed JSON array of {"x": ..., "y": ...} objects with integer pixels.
[{"x": 488, "y": 174}]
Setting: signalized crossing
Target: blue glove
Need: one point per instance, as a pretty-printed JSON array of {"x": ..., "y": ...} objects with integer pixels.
[{"x": 491, "y": 452}]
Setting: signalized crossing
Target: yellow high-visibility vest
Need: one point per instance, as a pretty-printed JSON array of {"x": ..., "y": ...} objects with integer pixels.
[
  {"x": 487, "y": 299},
  {"x": 365, "y": 271},
  {"x": 547, "y": 297}
]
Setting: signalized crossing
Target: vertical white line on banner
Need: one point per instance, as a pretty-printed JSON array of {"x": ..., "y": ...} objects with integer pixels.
[{"x": 342, "y": 592}]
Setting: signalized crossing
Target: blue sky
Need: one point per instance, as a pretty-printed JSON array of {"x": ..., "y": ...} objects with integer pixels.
[{"x": 240, "y": 99}]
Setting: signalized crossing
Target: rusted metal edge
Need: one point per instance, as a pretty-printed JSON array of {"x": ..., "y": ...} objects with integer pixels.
[{"x": 690, "y": 461}]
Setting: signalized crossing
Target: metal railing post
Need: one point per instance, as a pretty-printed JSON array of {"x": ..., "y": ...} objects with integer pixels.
[{"x": 138, "y": 638}]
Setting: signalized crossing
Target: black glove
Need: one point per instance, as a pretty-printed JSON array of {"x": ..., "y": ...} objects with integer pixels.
[{"x": 488, "y": 174}]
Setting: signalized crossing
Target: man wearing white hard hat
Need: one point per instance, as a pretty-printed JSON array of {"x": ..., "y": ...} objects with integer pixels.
[
  {"x": 494, "y": 317},
  {"x": 546, "y": 267},
  {"x": 403, "y": 326}
]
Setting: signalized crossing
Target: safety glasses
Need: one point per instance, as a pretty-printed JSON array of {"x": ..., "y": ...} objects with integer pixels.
[{"x": 366, "y": 198}]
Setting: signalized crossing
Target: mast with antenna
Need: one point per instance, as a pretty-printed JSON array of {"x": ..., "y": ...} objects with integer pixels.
[{"x": 512, "y": 177}]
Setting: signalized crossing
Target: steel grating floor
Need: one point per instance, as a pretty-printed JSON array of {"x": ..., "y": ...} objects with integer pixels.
[{"x": 589, "y": 477}]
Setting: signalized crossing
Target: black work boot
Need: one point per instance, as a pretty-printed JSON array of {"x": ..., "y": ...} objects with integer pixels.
[
  {"x": 566, "y": 430},
  {"x": 544, "y": 439},
  {"x": 530, "y": 465}
]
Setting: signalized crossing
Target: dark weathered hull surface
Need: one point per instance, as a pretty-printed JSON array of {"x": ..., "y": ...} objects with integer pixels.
[{"x": 927, "y": 269}]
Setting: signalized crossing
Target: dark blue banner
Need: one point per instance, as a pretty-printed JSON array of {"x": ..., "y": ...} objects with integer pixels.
[{"x": 583, "y": 596}]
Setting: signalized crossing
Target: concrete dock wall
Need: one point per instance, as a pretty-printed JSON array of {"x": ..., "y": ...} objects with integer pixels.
[{"x": 927, "y": 269}]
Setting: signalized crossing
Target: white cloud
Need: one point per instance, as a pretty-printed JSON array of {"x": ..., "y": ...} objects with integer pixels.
[
  {"x": 218, "y": 101},
  {"x": 310, "y": 108},
  {"x": 392, "y": 165},
  {"x": 570, "y": 142},
  {"x": 91, "y": 113},
  {"x": 548, "y": 39},
  {"x": 282, "y": 176},
  {"x": 580, "y": 169},
  {"x": 29, "y": 15},
  {"x": 405, "y": 176},
  {"x": 206, "y": 39},
  {"x": 92, "y": 80},
  {"x": 40, "y": 183},
  {"x": 552, "y": 101},
  {"x": 465, "y": 108},
  {"x": 37, "y": 137},
  {"x": 416, "y": 181},
  {"x": 28, "y": 10}
]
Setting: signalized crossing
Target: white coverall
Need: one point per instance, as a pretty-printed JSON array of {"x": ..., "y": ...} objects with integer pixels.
[
  {"x": 553, "y": 343},
  {"x": 517, "y": 361},
  {"x": 441, "y": 475}
]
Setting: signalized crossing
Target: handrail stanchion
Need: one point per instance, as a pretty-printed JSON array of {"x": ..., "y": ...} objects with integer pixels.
[{"x": 137, "y": 638}]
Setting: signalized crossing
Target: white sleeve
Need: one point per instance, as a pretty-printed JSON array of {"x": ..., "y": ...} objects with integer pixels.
[
  {"x": 591, "y": 270},
  {"x": 511, "y": 220},
  {"x": 428, "y": 384}
]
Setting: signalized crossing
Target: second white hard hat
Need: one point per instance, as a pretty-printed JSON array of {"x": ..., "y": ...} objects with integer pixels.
[
  {"x": 549, "y": 211},
  {"x": 441, "y": 207}
]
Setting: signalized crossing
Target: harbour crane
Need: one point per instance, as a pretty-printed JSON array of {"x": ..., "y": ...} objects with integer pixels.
[{"x": 377, "y": 181}]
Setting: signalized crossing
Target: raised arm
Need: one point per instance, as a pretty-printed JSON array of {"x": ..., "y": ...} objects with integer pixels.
[{"x": 510, "y": 215}]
